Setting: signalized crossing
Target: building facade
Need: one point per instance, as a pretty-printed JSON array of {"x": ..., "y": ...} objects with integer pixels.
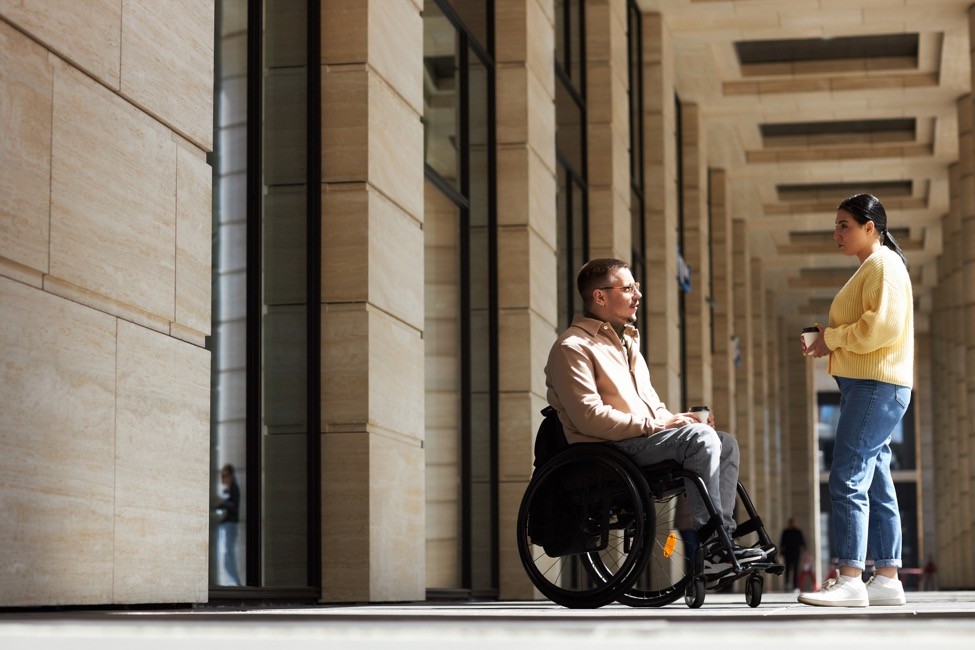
[{"x": 329, "y": 243}]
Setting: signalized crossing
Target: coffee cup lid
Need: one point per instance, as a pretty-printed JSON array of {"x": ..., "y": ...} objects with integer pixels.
[
  {"x": 810, "y": 329},
  {"x": 699, "y": 408}
]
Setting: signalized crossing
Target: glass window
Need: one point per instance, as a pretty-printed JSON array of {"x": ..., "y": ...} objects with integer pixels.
[
  {"x": 265, "y": 391},
  {"x": 460, "y": 327},
  {"x": 570, "y": 144},
  {"x": 228, "y": 539},
  {"x": 638, "y": 234}
]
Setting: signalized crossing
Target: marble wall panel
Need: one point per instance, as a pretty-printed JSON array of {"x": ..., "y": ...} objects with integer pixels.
[
  {"x": 395, "y": 147},
  {"x": 57, "y": 432},
  {"x": 345, "y": 124},
  {"x": 113, "y": 197},
  {"x": 375, "y": 484},
  {"x": 193, "y": 241},
  {"x": 85, "y": 33},
  {"x": 387, "y": 36},
  {"x": 372, "y": 249},
  {"x": 162, "y": 453},
  {"x": 345, "y": 367},
  {"x": 25, "y": 148},
  {"x": 346, "y": 535},
  {"x": 397, "y": 508},
  {"x": 396, "y": 375},
  {"x": 173, "y": 83}
]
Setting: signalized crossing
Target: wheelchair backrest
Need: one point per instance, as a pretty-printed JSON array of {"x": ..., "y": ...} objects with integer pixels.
[{"x": 550, "y": 439}]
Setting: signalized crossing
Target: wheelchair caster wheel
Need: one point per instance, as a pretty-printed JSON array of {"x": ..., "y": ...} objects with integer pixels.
[
  {"x": 694, "y": 593},
  {"x": 753, "y": 591}
]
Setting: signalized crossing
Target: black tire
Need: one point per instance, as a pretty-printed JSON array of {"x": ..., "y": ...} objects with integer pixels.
[
  {"x": 694, "y": 593},
  {"x": 582, "y": 527},
  {"x": 670, "y": 563},
  {"x": 754, "y": 587}
]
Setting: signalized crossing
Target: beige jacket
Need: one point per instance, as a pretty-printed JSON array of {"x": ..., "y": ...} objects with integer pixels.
[{"x": 600, "y": 392}]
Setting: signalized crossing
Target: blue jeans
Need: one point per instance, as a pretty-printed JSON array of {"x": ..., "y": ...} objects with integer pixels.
[
  {"x": 860, "y": 486},
  {"x": 227, "y": 549}
]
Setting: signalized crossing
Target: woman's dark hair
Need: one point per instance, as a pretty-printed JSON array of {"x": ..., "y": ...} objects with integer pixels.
[{"x": 866, "y": 207}]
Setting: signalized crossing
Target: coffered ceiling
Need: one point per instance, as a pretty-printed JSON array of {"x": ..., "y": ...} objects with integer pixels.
[{"x": 805, "y": 102}]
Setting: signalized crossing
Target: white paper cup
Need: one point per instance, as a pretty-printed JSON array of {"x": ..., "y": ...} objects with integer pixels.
[
  {"x": 809, "y": 335},
  {"x": 701, "y": 413}
]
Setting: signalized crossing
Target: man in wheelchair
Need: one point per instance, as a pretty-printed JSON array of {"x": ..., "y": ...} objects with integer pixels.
[{"x": 599, "y": 383}]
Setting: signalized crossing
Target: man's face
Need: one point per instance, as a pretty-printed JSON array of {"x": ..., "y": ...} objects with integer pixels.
[{"x": 617, "y": 301}]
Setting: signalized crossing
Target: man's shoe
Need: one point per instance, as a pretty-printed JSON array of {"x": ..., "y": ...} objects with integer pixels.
[
  {"x": 838, "y": 592},
  {"x": 888, "y": 594},
  {"x": 717, "y": 560}
]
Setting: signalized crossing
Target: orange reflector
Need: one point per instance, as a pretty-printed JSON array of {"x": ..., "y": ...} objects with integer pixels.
[{"x": 670, "y": 544}]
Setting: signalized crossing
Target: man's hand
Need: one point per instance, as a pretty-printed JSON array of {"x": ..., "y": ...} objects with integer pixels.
[{"x": 677, "y": 420}]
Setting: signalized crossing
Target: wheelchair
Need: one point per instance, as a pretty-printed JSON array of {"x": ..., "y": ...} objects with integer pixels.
[{"x": 594, "y": 528}]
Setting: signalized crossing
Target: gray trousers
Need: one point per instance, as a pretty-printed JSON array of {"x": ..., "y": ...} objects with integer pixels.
[{"x": 712, "y": 455}]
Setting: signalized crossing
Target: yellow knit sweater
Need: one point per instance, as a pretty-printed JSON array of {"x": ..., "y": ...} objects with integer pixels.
[{"x": 871, "y": 323}]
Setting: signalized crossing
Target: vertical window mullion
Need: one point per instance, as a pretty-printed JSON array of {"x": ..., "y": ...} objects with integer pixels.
[
  {"x": 314, "y": 248},
  {"x": 255, "y": 191}
]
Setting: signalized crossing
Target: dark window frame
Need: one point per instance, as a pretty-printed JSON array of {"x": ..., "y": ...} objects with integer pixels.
[
  {"x": 468, "y": 43},
  {"x": 253, "y": 337}
]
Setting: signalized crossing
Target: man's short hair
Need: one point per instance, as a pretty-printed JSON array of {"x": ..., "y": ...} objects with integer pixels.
[{"x": 595, "y": 274}]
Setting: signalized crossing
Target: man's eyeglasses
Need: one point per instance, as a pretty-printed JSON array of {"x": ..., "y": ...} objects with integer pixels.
[{"x": 626, "y": 289}]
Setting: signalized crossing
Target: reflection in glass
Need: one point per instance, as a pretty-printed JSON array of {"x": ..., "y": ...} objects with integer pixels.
[
  {"x": 277, "y": 325},
  {"x": 570, "y": 145},
  {"x": 440, "y": 86},
  {"x": 284, "y": 293},
  {"x": 442, "y": 342},
  {"x": 228, "y": 341},
  {"x": 459, "y": 327}
]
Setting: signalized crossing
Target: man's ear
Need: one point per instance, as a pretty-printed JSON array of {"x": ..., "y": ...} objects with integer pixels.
[{"x": 598, "y": 297}]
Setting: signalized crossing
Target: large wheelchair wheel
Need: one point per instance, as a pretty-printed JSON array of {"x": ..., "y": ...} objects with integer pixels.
[
  {"x": 669, "y": 569},
  {"x": 582, "y": 526}
]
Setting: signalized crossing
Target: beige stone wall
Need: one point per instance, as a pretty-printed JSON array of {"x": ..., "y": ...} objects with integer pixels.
[
  {"x": 607, "y": 130},
  {"x": 952, "y": 357},
  {"x": 724, "y": 401},
  {"x": 660, "y": 312},
  {"x": 697, "y": 254},
  {"x": 104, "y": 301},
  {"x": 373, "y": 509},
  {"x": 744, "y": 413},
  {"x": 527, "y": 291}
]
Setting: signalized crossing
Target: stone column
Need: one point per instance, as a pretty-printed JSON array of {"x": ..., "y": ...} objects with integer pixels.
[
  {"x": 758, "y": 451},
  {"x": 660, "y": 305},
  {"x": 724, "y": 400},
  {"x": 527, "y": 291},
  {"x": 799, "y": 480},
  {"x": 965, "y": 324},
  {"x": 373, "y": 513},
  {"x": 745, "y": 412},
  {"x": 697, "y": 325},
  {"x": 608, "y": 129}
]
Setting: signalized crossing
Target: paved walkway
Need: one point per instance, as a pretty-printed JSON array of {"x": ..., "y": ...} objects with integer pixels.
[{"x": 929, "y": 621}]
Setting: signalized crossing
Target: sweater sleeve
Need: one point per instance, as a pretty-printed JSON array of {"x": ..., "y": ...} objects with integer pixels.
[
  {"x": 884, "y": 308},
  {"x": 572, "y": 376}
]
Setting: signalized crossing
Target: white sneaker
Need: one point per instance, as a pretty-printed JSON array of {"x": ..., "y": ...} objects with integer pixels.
[
  {"x": 838, "y": 592},
  {"x": 888, "y": 594}
]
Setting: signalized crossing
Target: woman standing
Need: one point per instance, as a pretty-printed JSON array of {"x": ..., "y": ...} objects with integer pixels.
[
  {"x": 870, "y": 343},
  {"x": 228, "y": 511}
]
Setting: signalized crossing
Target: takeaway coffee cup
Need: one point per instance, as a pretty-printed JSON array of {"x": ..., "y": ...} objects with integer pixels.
[
  {"x": 701, "y": 413},
  {"x": 809, "y": 335}
]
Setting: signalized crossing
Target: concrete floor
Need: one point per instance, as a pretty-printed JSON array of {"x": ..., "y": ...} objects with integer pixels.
[{"x": 929, "y": 621}]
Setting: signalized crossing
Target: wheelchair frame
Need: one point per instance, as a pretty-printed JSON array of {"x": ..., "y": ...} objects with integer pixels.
[{"x": 594, "y": 528}]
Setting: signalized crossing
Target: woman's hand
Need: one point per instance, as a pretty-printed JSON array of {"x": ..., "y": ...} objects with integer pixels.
[{"x": 818, "y": 347}]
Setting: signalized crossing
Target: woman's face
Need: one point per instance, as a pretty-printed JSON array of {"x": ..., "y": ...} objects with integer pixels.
[{"x": 853, "y": 238}]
